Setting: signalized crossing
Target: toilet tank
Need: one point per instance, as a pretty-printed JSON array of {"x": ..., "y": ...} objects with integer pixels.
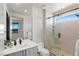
[{"x": 40, "y": 45}]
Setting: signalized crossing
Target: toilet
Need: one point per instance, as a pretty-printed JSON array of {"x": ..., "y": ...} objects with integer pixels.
[{"x": 42, "y": 51}]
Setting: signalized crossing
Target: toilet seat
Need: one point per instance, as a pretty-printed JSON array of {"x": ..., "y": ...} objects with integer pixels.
[{"x": 44, "y": 52}]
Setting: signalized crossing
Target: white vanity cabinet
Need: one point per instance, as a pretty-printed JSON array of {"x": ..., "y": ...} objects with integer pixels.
[
  {"x": 27, "y": 52},
  {"x": 19, "y": 53},
  {"x": 31, "y": 52}
]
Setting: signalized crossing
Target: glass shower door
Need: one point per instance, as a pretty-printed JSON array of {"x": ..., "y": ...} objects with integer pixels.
[{"x": 52, "y": 35}]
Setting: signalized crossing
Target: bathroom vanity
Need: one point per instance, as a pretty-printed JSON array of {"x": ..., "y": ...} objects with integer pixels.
[{"x": 27, "y": 48}]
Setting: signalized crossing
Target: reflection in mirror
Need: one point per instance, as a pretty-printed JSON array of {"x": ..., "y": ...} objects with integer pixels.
[
  {"x": 20, "y": 21},
  {"x": 1, "y": 28},
  {"x": 15, "y": 27}
]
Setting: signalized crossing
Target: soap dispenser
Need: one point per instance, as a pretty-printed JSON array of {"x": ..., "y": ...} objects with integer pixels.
[{"x": 15, "y": 43}]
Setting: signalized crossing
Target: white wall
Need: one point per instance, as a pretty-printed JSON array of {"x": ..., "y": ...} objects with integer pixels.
[
  {"x": 28, "y": 23},
  {"x": 37, "y": 17},
  {"x": 2, "y": 22}
]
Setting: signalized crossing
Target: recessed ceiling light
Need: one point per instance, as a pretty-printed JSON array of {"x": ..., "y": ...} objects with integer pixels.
[
  {"x": 25, "y": 10},
  {"x": 43, "y": 6}
]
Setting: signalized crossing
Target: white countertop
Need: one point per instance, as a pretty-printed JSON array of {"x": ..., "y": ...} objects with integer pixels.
[{"x": 26, "y": 44}]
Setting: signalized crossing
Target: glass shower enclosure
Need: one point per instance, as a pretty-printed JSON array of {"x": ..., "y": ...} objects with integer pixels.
[{"x": 61, "y": 34}]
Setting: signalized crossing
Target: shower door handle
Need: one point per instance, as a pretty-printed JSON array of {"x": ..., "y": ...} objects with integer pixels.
[{"x": 59, "y": 35}]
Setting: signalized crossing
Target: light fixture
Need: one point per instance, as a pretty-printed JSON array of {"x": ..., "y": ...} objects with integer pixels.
[
  {"x": 43, "y": 6},
  {"x": 25, "y": 10}
]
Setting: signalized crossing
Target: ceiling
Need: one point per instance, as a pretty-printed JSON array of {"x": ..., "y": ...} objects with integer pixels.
[
  {"x": 1, "y": 8},
  {"x": 20, "y": 7},
  {"x": 52, "y": 6}
]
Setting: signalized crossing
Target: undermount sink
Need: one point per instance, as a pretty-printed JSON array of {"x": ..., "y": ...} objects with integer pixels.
[{"x": 24, "y": 45}]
